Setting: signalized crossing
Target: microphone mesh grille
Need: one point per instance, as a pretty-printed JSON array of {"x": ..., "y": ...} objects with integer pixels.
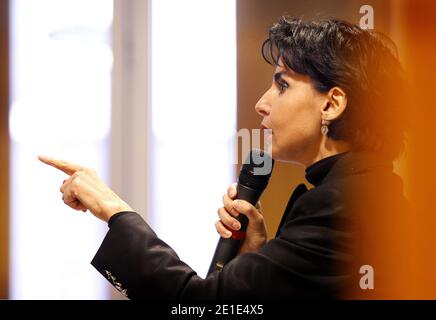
[{"x": 256, "y": 170}]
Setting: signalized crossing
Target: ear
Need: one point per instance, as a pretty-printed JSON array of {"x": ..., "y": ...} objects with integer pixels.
[{"x": 335, "y": 104}]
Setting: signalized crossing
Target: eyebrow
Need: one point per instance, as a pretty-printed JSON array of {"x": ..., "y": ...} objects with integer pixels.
[{"x": 278, "y": 76}]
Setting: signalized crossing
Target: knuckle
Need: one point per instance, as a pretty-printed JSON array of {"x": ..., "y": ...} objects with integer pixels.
[
  {"x": 257, "y": 218},
  {"x": 75, "y": 185},
  {"x": 66, "y": 200},
  {"x": 219, "y": 211},
  {"x": 252, "y": 214},
  {"x": 251, "y": 209},
  {"x": 228, "y": 204},
  {"x": 75, "y": 182},
  {"x": 226, "y": 221},
  {"x": 222, "y": 213},
  {"x": 240, "y": 206},
  {"x": 245, "y": 208},
  {"x": 231, "y": 190},
  {"x": 89, "y": 170},
  {"x": 233, "y": 212}
]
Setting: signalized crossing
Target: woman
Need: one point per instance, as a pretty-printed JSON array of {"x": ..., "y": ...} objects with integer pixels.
[{"x": 332, "y": 107}]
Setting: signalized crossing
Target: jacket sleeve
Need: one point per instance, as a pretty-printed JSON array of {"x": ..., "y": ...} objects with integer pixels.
[{"x": 297, "y": 264}]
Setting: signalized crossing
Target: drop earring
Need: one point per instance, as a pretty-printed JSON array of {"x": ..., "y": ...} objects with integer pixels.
[{"x": 324, "y": 127}]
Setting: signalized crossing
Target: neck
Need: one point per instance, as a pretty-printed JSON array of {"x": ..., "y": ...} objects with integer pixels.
[{"x": 327, "y": 148}]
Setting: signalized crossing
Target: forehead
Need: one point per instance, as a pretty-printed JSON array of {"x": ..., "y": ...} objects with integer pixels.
[
  {"x": 289, "y": 74},
  {"x": 284, "y": 71},
  {"x": 281, "y": 66}
]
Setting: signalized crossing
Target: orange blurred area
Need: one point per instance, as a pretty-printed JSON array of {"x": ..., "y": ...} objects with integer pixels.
[
  {"x": 401, "y": 246},
  {"x": 399, "y": 243},
  {"x": 419, "y": 20}
]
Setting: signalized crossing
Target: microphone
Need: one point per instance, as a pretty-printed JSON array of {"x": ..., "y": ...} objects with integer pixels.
[{"x": 253, "y": 179}]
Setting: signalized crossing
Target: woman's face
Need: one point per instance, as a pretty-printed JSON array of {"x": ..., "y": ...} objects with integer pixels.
[{"x": 291, "y": 108}]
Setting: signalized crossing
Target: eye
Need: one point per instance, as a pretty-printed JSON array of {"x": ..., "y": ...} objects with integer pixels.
[{"x": 282, "y": 85}]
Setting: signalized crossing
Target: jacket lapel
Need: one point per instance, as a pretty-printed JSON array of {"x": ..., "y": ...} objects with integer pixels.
[{"x": 299, "y": 190}]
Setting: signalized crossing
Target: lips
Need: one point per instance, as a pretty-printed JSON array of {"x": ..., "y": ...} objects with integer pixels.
[
  {"x": 267, "y": 136},
  {"x": 264, "y": 127}
]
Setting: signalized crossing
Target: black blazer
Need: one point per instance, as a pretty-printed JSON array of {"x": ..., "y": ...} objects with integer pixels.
[{"x": 311, "y": 256}]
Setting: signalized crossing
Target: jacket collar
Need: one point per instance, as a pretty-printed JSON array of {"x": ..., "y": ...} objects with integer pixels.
[{"x": 344, "y": 164}]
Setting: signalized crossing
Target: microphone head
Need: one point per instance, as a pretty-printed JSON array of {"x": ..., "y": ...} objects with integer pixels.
[{"x": 256, "y": 170}]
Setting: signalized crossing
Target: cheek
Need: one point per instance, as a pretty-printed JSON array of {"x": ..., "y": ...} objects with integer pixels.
[
  {"x": 298, "y": 115},
  {"x": 294, "y": 134},
  {"x": 294, "y": 123}
]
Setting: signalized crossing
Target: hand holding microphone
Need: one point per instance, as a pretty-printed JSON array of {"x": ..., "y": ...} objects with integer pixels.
[
  {"x": 256, "y": 234},
  {"x": 253, "y": 179}
]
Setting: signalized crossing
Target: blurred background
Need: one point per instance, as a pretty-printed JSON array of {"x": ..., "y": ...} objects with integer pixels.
[{"x": 151, "y": 94}]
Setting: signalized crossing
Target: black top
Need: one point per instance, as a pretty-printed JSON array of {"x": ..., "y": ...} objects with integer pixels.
[
  {"x": 311, "y": 256},
  {"x": 316, "y": 172}
]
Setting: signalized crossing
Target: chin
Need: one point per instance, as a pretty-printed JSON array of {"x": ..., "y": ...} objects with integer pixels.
[
  {"x": 287, "y": 156},
  {"x": 277, "y": 154}
]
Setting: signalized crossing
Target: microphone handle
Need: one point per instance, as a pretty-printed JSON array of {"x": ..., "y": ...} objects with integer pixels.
[{"x": 228, "y": 248}]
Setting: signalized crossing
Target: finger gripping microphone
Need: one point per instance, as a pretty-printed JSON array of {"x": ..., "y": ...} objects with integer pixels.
[{"x": 253, "y": 179}]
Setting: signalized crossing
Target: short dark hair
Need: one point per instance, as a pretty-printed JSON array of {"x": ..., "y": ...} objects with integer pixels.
[{"x": 363, "y": 63}]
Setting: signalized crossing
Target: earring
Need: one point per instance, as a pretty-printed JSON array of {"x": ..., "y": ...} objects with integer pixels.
[{"x": 324, "y": 127}]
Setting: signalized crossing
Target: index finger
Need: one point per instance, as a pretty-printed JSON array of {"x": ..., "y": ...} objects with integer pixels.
[
  {"x": 65, "y": 166},
  {"x": 231, "y": 190}
]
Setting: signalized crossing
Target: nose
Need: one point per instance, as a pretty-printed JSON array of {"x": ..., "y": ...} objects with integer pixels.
[{"x": 263, "y": 106}]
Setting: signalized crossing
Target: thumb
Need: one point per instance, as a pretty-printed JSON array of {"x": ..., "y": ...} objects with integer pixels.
[{"x": 247, "y": 209}]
